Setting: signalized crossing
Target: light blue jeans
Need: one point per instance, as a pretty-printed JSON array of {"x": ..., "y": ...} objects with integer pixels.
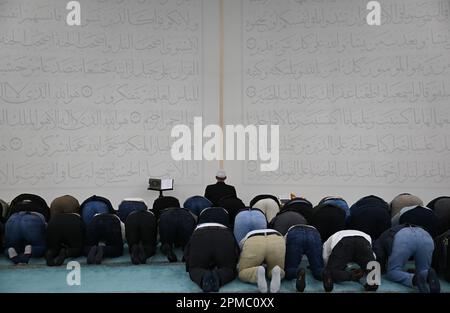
[
  {"x": 409, "y": 242},
  {"x": 247, "y": 221}
]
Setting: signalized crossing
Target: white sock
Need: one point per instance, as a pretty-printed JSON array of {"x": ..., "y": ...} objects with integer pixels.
[
  {"x": 275, "y": 283},
  {"x": 12, "y": 253},
  {"x": 262, "y": 282},
  {"x": 27, "y": 250}
]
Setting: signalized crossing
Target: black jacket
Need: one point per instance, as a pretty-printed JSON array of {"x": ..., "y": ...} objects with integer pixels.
[
  {"x": 383, "y": 245},
  {"x": 219, "y": 190}
]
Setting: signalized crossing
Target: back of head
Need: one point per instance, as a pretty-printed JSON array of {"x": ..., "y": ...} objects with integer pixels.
[
  {"x": 403, "y": 200},
  {"x": 221, "y": 175},
  {"x": 64, "y": 204}
]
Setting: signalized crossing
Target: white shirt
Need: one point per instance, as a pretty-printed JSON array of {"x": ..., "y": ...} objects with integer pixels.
[
  {"x": 329, "y": 245},
  {"x": 210, "y": 224}
]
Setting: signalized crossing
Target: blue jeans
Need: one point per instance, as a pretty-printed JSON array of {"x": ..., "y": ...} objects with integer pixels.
[
  {"x": 26, "y": 228},
  {"x": 302, "y": 240},
  {"x": 247, "y": 221},
  {"x": 196, "y": 204},
  {"x": 408, "y": 242},
  {"x": 92, "y": 208},
  {"x": 127, "y": 206},
  {"x": 340, "y": 203}
]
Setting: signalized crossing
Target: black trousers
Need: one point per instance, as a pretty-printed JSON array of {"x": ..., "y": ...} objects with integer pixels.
[
  {"x": 105, "y": 228},
  {"x": 140, "y": 228},
  {"x": 176, "y": 226},
  {"x": 285, "y": 219},
  {"x": 350, "y": 249},
  {"x": 212, "y": 248},
  {"x": 328, "y": 220},
  {"x": 67, "y": 231},
  {"x": 370, "y": 220}
]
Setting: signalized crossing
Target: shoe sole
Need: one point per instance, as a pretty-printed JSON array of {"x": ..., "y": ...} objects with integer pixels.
[
  {"x": 99, "y": 256},
  {"x": 328, "y": 284},
  {"x": 300, "y": 283},
  {"x": 433, "y": 282},
  {"x": 91, "y": 255}
]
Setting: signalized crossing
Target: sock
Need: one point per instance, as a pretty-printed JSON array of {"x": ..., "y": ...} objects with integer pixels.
[
  {"x": 12, "y": 254},
  {"x": 27, "y": 250},
  {"x": 275, "y": 283},
  {"x": 261, "y": 279},
  {"x": 59, "y": 260}
]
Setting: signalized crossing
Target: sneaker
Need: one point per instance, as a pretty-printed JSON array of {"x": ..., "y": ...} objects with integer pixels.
[
  {"x": 327, "y": 281},
  {"x": 421, "y": 281},
  {"x": 215, "y": 281},
  {"x": 275, "y": 283},
  {"x": 433, "y": 281},
  {"x": 59, "y": 260},
  {"x": 368, "y": 287},
  {"x": 168, "y": 251},
  {"x": 49, "y": 257},
  {"x": 300, "y": 282},
  {"x": 356, "y": 274},
  {"x": 24, "y": 258},
  {"x": 207, "y": 282},
  {"x": 91, "y": 255},
  {"x": 261, "y": 279},
  {"x": 142, "y": 255},
  {"x": 134, "y": 254},
  {"x": 15, "y": 259},
  {"x": 99, "y": 255}
]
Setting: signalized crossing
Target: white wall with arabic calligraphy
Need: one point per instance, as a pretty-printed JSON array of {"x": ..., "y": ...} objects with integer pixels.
[
  {"x": 89, "y": 109},
  {"x": 362, "y": 109}
]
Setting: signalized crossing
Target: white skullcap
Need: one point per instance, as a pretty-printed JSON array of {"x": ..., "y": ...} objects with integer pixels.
[{"x": 221, "y": 174}]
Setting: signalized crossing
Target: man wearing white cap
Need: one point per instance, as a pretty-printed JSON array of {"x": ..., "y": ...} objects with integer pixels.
[{"x": 219, "y": 190}]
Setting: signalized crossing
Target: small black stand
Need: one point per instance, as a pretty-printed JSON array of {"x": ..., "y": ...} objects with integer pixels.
[{"x": 160, "y": 192}]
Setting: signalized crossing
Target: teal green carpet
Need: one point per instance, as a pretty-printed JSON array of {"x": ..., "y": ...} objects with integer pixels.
[{"x": 158, "y": 275}]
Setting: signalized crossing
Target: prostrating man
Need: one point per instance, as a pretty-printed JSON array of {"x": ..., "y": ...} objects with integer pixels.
[
  {"x": 342, "y": 248},
  {"x": 396, "y": 246},
  {"x": 259, "y": 247},
  {"x": 211, "y": 256}
]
